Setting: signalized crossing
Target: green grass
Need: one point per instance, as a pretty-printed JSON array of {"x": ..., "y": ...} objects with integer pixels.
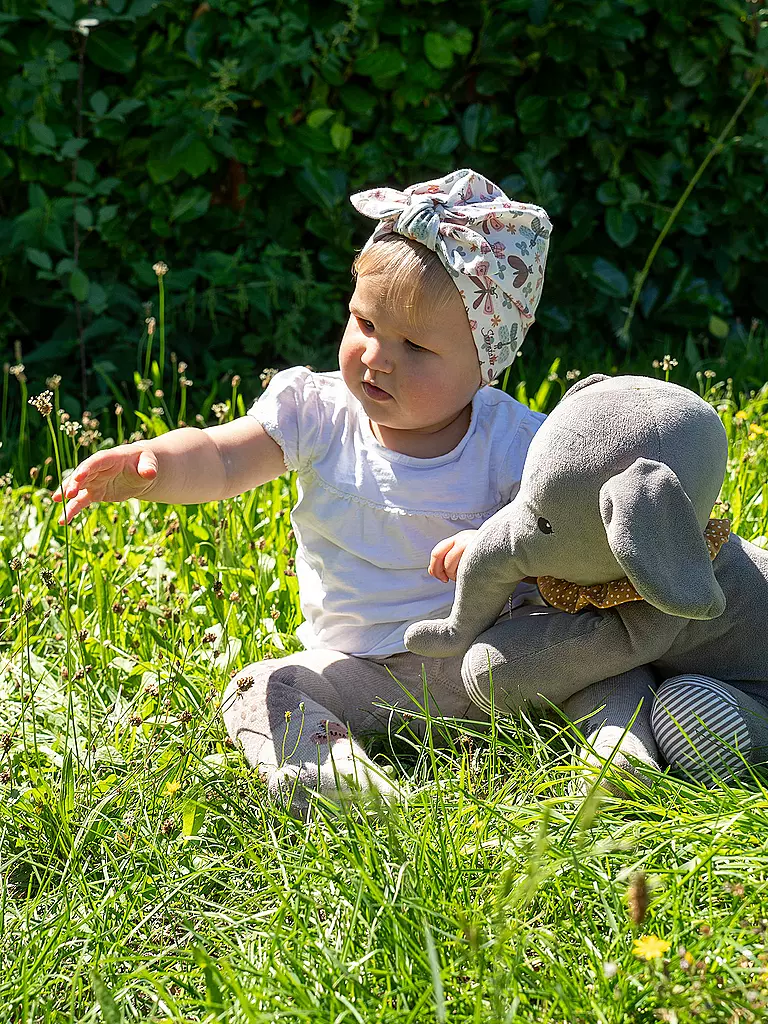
[{"x": 146, "y": 878}]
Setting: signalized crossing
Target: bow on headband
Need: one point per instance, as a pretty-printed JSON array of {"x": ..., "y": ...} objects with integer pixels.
[{"x": 494, "y": 249}]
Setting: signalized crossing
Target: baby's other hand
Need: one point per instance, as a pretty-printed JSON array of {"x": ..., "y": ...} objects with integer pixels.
[{"x": 446, "y": 556}]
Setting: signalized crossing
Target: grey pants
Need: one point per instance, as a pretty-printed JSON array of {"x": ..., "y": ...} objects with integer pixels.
[{"x": 699, "y": 726}]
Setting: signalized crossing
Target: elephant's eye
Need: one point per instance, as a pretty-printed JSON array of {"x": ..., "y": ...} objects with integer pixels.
[{"x": 544, "y": 525}]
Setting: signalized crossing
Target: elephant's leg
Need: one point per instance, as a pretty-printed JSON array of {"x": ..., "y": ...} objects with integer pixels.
[
  {"x": 709, "y": 730},
  {"x": 603, "y": 712}
]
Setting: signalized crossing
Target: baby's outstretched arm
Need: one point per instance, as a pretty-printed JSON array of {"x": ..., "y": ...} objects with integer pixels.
[
  {"x": 183, "y": 467},
  {"x": 446, "y": 556}
]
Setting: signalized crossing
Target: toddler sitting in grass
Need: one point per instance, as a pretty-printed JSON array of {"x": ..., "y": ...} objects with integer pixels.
[{"x": 401, "y": 453}]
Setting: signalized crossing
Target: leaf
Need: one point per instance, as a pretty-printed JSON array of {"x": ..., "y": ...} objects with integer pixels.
[
  {"x": 106, "y": 214},
  {"x": 72, "y": 147},
  {"x": 197, "y": 159},
  {"x": 83, "y": 216},
  {"x": 341, "y": 136},
  {"x": 439, "y": 141},
  {"x": 731, "y": 28},
  {"x": 607, "y": 193},
  {"x": 99, "y": 103},
  {"x": 64, "y": 9},
  {"x": 6, "y": 164},
  {"x": 357, "y": 100},
  {"x": 384, "y": 62},
  {"x": 120, "y": 110},
  {"x": 461, "y": 41},
  {"x": 78, "y": 284},
  {"x": 42, "y": 134},
  {"x": 39, "y": 258},
  {"x": 718, "y": 327},
  {"x": 438, "y": 50},
  {"x": 110, "y": 1011},
  {"x": 609, "y": 279},
  {"x": 192, "y": 818},
  {"x": 318, "y": 117},
  {"x": 474, "y": 124},
  {"x": 111, "y": 51},
  {"x": 621, "y": 226},
  {"x": 141, "y": 8},
  {"x": 532, "y": 111},
  {"x": 190, "y": 205}
]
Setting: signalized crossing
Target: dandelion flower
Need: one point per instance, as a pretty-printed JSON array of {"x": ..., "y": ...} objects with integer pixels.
[{"x": 650, "y": 947}]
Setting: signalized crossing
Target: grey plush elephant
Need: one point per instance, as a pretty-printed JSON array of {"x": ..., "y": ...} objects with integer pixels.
[{"x": 665, "y": 611}]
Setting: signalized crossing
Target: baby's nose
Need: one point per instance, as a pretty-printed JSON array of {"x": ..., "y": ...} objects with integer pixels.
[{"x": 376, "y": 356}]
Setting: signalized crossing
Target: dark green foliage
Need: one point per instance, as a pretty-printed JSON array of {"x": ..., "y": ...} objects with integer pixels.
[{"x": 225, "y": 138}]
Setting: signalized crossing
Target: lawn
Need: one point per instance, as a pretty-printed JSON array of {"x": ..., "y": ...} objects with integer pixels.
[{"x": 146, "y": 878}]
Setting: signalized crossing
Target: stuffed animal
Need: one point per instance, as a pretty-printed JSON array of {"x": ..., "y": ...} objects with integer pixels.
[{"x": 650, "y": 604}]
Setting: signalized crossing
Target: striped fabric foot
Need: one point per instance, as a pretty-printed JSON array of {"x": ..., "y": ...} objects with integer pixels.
[{"x": 701, "y": 728}]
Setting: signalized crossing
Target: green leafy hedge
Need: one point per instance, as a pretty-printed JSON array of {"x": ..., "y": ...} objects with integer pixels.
[{"x": 224, "y": 138}]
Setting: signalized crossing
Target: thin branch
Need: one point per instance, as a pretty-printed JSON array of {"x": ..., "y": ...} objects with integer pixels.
[{"x": 714, "y": 150}]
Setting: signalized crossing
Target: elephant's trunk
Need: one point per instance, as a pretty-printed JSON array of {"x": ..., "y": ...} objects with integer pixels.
[{"x": 487, "y": 576}]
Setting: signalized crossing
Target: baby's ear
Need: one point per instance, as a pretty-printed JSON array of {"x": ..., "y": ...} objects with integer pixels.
[
  {"x": 594, "y": 378},
  {"x": 655, "y": 537}
]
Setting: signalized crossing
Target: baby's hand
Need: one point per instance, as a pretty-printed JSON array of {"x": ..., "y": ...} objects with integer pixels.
[
  {"x": 112, "y": 475},
  {"x": 446, "y": 556}
]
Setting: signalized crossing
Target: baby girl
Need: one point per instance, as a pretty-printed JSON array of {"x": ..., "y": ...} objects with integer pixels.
[{"x": 399, "y": 456}]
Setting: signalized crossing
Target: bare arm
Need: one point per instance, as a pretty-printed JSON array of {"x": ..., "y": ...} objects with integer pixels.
[{"x": 181, "y": 467}]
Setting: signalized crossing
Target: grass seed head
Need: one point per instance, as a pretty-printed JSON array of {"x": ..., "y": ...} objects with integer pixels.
[
  {"x": 637, "y": 898},
  {"x": 43, "y": 403}
]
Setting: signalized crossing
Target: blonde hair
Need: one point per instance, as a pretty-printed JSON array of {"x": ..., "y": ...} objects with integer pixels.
[{"x": 414, "y": 278}]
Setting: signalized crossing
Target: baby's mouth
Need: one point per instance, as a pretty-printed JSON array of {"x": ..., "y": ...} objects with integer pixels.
[{"x": 376, "y": 393}]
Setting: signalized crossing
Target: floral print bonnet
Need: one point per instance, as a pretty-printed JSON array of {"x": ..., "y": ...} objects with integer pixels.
[{"x": 495, "y": 250}]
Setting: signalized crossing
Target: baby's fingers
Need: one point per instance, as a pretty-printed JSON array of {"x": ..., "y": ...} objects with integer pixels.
[
  {"x": 80, "y": 501},
  {"x": 437, "y": 560},
  {"x": 103, "y": 465},
  {"x": 452, "y": 561}
]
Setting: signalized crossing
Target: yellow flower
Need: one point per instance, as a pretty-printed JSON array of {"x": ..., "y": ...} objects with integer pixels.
[
  {"x": 172, "y": 788},
  {"x": 650, "y": 947},
  {"x": 741, "y": 415}
]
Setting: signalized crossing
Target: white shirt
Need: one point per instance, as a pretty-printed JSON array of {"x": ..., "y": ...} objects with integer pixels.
[{"x": 367, "y": 517}]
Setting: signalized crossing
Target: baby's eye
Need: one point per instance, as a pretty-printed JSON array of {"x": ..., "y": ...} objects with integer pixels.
[
  {"x": 365, "y": 324},
  {"x": 414, "y": 347}
]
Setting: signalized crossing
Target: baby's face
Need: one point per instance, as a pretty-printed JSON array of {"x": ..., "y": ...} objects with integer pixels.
[{"x": 407, "y": 379}]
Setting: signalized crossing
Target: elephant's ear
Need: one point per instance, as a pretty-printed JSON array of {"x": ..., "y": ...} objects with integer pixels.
[
  {"x": 594, "y": 378},
  {"x": 655, "y": 537}
]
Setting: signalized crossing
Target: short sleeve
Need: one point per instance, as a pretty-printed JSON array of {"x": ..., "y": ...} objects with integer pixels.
[
  {"x": 518, "y": 449},
  {"x": 290, "y": 411}
]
